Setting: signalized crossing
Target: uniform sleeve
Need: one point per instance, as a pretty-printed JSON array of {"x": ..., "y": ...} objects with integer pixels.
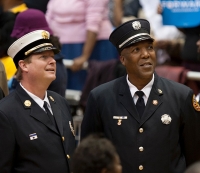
[
  {"x": 7, "y": 145},
  {"x": 190, "y": 132},
  {"x": 91, "y": 121}
]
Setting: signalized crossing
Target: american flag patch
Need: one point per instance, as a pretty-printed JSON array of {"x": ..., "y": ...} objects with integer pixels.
[{"x": 33, "y": 136}]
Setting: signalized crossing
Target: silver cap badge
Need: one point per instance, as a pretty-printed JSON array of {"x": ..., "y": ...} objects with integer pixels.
[{"x": 136, "y": 25}]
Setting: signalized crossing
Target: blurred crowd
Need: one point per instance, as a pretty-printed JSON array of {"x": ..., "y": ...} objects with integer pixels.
[{"x": 82, "y": 36}]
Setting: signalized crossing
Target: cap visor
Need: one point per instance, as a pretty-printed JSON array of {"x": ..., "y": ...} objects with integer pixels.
[
  {"x": 55, "y": 50},
  {"x": 139, "y": 39}
]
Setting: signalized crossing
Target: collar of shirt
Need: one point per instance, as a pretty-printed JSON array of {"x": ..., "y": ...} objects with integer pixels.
[
  {"x": 38, "y": 100},
  {"x": 146, "y": 90}
]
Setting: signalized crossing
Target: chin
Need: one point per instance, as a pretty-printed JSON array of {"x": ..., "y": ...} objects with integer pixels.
[{"x": 52, "y": 78}]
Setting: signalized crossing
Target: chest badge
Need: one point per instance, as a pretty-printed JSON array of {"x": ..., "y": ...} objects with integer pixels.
[
  {"x": 195, "y": 104},
  {"x": 119, "y": 118},
  {"x": 33, "y": 136},
  {"x": 166, "y": 119}
]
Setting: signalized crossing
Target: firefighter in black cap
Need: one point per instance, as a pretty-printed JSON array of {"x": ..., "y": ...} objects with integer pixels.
[{"x": 154, "y": 123}]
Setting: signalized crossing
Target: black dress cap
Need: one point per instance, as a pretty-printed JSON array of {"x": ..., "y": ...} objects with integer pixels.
[{"x": 130, "y": 32}]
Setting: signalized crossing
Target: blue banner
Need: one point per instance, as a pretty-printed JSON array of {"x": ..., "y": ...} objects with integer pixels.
[{"x": 181, "y": 13}]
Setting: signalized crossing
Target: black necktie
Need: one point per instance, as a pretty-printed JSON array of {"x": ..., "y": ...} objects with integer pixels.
[
  {"x": 51, "y": 117},
  {"x": 140, "y": 103}
]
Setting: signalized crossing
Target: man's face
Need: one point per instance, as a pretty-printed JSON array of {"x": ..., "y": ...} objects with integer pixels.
[
  {"x": 139, "y": 60},
  {"x": 42, "y": 67}
]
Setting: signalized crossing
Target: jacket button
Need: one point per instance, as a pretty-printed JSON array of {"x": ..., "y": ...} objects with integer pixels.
[
  {"x": 63, "y": 138},
  {"x": 141, "y": 167},
  {"x": 68, "y": 156},
  {"x": 141, "y": 148},
  {"x": 141, "y": 130}
]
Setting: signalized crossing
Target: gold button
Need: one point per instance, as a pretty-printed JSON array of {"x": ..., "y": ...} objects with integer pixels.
[
  {"x": 63, "y": 138},
  {"x": 68, "y": 156},
  {"x": 141, "y": 167},
  {"x": 141, "y": 148},
  {"x": 141, "y": 130}
]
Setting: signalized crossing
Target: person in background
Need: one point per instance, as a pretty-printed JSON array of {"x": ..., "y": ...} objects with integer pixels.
[
  {"x": 37, "y": 4},
  {"x": 35, "y": 124},
  {"x": 123, "y": 10},
  {"x": 23, "y": 25},
  {"x": 152, "y": 121},
  {"x": 3, "y": 80},
  {"x": 165, "y": 35},
  {"x": 9, "y": 9},
  {"x": 1, "y": 94},
  {"x": 189, "y": 59},
  {"x": 116, "y": 12},
  {"x": 7, "y": 20},
  {"x": 83, "y": 34},
  {"x": 96, "y": 154},
  {"x": 14, "y": 6}
]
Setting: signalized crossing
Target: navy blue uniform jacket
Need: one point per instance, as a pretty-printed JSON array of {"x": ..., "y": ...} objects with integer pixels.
[
  {"x": 29, "y": 143},
  {"x": 146, "y": 144}
]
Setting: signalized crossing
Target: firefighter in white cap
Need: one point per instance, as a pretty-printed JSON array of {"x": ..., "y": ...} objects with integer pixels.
[{"x": 36, "y": 127}]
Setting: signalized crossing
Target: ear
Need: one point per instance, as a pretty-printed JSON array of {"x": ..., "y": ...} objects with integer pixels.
[
  {"x": 122, "y": 59},
  {"x": 23, "y": 65}
]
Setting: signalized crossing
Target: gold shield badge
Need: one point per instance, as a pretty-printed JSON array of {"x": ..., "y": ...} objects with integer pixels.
[{"x": 195, "y": 103}]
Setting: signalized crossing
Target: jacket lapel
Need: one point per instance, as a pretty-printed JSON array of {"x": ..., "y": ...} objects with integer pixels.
[
  {"x": 126, "y": 99},
  {"x": 35, "y": 110},
  {"x": 57, "y": 113},
  {"x": 154, "y": 101}
]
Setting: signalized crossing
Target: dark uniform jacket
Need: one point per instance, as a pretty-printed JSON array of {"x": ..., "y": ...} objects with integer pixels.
[
  {"x": 167, "y": 137},
  {"x": 29, "y": 142}
]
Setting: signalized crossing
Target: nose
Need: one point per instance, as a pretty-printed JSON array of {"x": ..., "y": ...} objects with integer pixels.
[
  {"x": 52, "y": 60},
  {"x": 145, "y": 53}
]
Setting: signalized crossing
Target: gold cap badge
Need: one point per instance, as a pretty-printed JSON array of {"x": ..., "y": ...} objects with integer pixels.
[
  {"x": 45, "y": 35},
  {"x": 27, "y": 103},
  {"x": 195, "y": 103}
]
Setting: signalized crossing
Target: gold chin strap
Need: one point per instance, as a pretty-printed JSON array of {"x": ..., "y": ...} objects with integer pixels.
[{"x": 37, "y": 47}]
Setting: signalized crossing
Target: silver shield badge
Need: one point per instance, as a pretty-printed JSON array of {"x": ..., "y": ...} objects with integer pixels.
[
  {"x": 136, "y": 25},
  {"x": 166, "y": 119}
]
